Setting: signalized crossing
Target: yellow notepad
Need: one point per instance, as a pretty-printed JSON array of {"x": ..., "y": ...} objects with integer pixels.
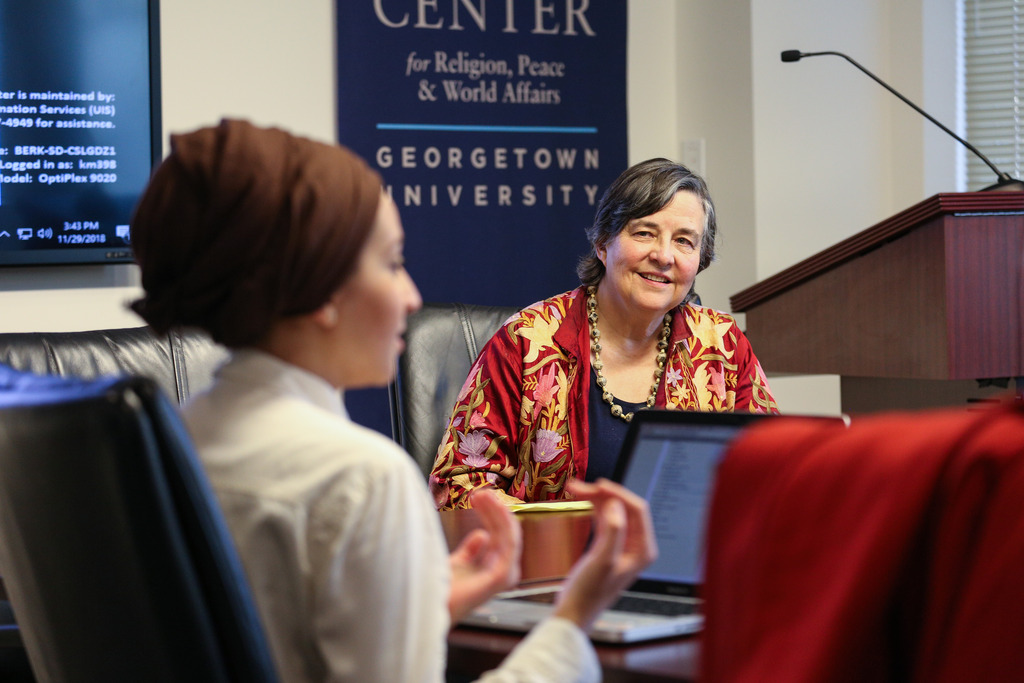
[{"x": 552, "y": 506}]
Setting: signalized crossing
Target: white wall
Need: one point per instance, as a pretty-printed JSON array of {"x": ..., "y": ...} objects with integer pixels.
[
  {"x": 820, "y": 126},
  {"x": 714, "y": 104},
  {"x": 270, "y": 62},
  {"x": 651, "y": 80},
  {"x": 834, "y": 151}
]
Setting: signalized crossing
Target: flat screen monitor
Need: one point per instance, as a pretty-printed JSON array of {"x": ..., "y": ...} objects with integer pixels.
[{"x": 79, "y": 126}]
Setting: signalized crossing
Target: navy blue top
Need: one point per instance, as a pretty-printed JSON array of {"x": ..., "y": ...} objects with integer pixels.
[{"x": 606, "y": 432}]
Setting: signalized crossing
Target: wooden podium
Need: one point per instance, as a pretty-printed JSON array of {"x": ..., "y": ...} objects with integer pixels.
[{"x": 935, "y": 294}]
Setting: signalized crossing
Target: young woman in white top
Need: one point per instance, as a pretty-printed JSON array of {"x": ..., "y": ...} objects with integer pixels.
[{"x": 288, "y": 252}]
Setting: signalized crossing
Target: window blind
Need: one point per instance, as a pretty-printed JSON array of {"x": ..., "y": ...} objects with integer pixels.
[{"x": 993, "y": 50}]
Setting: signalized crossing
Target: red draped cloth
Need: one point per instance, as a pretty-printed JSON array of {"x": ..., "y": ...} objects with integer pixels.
[{"x": 889, "y": 551}]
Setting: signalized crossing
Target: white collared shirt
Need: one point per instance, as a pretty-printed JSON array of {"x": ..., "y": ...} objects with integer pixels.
[{"x": 339, "y": 538}]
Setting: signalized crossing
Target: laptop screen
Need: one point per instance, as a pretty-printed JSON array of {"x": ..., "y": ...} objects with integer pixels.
[{"x": 669, "y": 458}]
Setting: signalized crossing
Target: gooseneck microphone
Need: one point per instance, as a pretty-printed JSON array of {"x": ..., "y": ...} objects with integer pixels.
[{"x": 1005, "y": 182}]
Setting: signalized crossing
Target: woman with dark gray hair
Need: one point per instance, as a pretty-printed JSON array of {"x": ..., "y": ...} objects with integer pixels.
[{"x": 550, "y": 395}]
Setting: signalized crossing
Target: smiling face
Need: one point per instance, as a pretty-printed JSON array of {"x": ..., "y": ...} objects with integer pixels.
[{"x": 651, "y": 263}]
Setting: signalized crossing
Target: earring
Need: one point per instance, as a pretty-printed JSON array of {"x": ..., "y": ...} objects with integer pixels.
[{"x": 330, "y": 315}]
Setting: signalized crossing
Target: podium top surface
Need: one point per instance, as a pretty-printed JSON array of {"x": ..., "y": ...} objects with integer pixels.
[{"x": 935, "y": 206}]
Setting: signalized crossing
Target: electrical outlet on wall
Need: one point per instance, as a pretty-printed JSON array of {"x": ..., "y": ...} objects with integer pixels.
[{"x": 694, "y": 151}]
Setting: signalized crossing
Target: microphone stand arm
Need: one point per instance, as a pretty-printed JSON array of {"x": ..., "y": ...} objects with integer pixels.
[{"x": 1003, "y": 177}]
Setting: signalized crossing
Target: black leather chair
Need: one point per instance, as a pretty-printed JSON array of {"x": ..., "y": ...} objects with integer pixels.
[
  {"x": 181, "y": 362},
  {"x": 14, "y": 666},
  {"x": 442, "y": 341},
  {"x": 113, "y": 549}
]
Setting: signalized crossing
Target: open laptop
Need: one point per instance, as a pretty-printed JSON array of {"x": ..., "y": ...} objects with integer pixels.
[{"x": 669, "y": 458}]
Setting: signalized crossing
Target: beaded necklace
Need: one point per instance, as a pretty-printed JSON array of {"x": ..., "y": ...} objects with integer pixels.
[{"x": 595, "y": 347}]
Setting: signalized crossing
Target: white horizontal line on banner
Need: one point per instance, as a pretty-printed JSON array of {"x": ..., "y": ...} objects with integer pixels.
[{"x": 486, "y": 129}]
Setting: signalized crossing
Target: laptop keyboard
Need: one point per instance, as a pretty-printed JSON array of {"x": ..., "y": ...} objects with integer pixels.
[
  {"x": 630, "y": 603},
  {"x": 666, "y": 608}
]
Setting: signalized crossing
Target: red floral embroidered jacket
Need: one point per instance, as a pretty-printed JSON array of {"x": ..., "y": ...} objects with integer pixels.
[{"x": 520, "y": 421}]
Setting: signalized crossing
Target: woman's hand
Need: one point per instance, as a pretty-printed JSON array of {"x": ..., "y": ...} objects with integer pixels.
[
  {"x": 623, "y": 544},
  {"x": 487, "y": 559}
]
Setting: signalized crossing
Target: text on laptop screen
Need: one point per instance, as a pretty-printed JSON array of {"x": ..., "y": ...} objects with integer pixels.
[{"x": 672, "y": 466}]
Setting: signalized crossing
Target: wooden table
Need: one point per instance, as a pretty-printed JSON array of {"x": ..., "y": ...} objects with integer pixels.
[
  {"x": 473, "y": 651},
  {"x": 552, "y": 541}
]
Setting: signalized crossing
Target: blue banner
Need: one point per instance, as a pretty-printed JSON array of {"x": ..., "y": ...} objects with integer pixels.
[{"x": 496, "y": 125}]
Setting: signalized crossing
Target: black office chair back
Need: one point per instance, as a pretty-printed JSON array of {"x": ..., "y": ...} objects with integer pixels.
[
  {"x": 442, "y": 341},
  {"x": 113, "y": 549}
]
